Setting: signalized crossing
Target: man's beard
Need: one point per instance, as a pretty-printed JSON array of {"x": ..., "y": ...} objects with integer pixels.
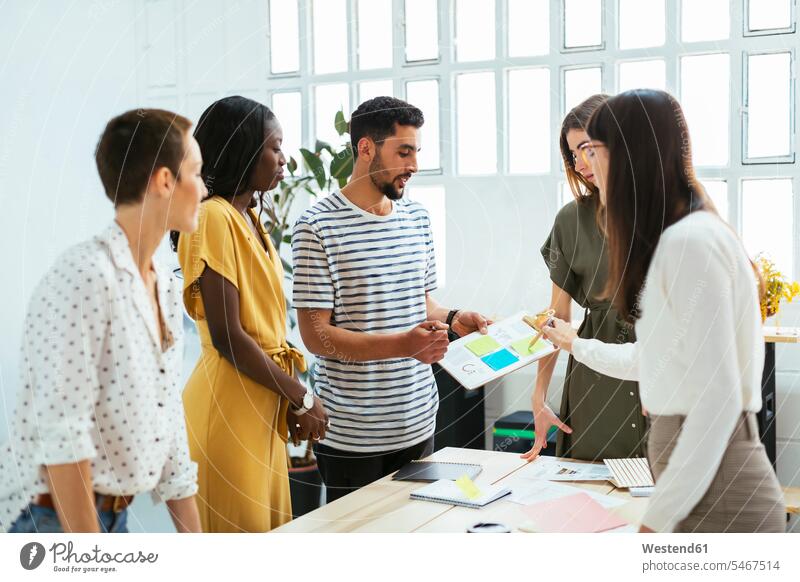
[{"x": 388, "y": 189}]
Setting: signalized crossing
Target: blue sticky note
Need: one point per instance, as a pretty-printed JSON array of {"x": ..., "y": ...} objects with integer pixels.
[{"x": 500, "y": 359}]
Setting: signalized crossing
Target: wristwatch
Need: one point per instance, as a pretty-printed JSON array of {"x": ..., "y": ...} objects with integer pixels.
[
  {"x": 308, "y": 403},
  {"x": 451, "y": 335}
]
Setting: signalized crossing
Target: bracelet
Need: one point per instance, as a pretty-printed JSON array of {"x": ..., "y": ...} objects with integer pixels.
[{"x": 450, "y": 316}]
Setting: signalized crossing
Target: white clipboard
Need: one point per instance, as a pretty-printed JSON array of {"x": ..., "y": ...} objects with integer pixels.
[{"x": 473, "y": 370}]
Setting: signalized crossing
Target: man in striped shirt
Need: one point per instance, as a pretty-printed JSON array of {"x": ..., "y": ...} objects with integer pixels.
[{"x": 363, "y": 270}]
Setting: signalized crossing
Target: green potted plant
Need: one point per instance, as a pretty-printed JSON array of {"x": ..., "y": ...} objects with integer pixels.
[{"x": 325, "y": 168}]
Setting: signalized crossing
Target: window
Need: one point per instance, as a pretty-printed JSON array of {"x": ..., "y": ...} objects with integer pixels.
[
  {"x": 328, "y": 99},
  {"x": 529, "y": 140},
  {"x": 476, "y": 124},
  {"x": 425, "y": 95},
  {"x": 475, "y": 38},
  {"x": 768, "y": 106},
  {"x": 422, "y": 30},
  {"x": 705, "y": 100},
  {"x": 583, "y": 23},
  {"x": 770, "y": 16},
  {"x": 374, "y": 34},
  {"x": 717, "y": 190},
  {"x": 288, "y": 108},
  {"x": 330, "y": 36},
  {"x": 650, "y": 74},
  {"x": 528, "y": 28},
  {"x": 767, "y": 221},
  {"x": 580, "y": 84},
  {"x": 284, "y": 36},
  {"x": 370, "y": 89},
  {"x": 706, "y": 20},
  {"x": 641, "y": 23}
]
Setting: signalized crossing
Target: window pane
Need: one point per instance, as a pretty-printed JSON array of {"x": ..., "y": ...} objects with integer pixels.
[
  {"x": 433, "y": 199},
  {"x": 422, "y": 30},
  {"x": 288, "y": 108},
  {"x": 641, "y": 23},
  {"x": 328, "y": 99},
  {"x": 529, "y": 120},
  {"x": 475, "y": 30},
  {"x": 330, "y": 36},
  {"x": 565, "y": 194},
  {"x": 425, "y": 96},
  {"x": 767, "y": 14},
  {"x": 769, "y": 113},
  {"x": 476, "y": 124},
  {"x": 580, "y": 84},
  {"x": 706, "y": 20},
  {"x": 704, "y": 97},
  {"x": 370, "y": 89},
  {"x": 284, "y": 36},
  {"x": 642, "y": 75},
  {"x": 528, "y": 28},
  {"x": 583, "y": 23},
  {"x": 718, "y": 192},
  {"x": 767, "y": 220},
  {"x": 374, "y": 34}
]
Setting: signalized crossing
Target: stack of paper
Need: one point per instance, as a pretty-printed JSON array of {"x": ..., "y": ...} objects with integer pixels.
[{"x": 577, "y": 513}]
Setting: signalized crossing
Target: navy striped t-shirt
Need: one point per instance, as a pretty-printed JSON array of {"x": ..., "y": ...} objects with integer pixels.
[{"x": 372, "y": 272}]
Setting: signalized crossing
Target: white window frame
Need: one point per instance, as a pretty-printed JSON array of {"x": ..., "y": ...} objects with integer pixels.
[{"x": 445, "y": 69}]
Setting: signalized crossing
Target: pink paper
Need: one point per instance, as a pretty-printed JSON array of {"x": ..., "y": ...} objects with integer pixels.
[{"x": 577, "y": 513}]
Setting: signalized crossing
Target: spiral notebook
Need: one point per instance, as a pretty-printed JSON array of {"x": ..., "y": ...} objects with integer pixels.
[
  {"x": 430, "y": 471},
  {"x": 446, "y": 491}
]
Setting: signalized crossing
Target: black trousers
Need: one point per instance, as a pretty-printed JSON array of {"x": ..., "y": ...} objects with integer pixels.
[{"x": 343, "y": 471}]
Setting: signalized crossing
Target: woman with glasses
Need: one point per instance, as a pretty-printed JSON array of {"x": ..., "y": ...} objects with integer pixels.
[
  {"x": 682, "y": 274},
  {"x": 600, "y": 416}
]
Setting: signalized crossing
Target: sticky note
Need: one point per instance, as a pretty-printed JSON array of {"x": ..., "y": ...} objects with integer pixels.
[
  {"x": 500, "y": 360},
  {"x": 521, "y": 346},
  {"x": 483, "y": 345},
  {"x": 468, "y": 487}
]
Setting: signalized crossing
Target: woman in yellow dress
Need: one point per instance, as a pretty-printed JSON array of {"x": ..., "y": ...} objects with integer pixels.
[{"x": 242, "y": 400}]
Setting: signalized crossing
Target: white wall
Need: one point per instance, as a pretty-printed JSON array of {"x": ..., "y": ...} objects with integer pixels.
[{"x": 65, "y": 69}]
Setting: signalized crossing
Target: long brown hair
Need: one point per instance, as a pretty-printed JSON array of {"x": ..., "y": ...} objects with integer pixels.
[
  {"x": 650, "y": 183},
  {"x": 577, "y": 118}
]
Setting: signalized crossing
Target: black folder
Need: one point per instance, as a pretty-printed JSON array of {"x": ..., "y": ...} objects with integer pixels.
[{"x": 430, "y": 471}]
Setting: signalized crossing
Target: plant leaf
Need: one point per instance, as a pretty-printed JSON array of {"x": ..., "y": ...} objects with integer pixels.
[
  {"x": 315, "y": 166},
  {"x": 320, "y": 146},
  {"x": 341, "y": 123},
  {"x": 291, "y": 165},
  {"x": 342, "y": 166}
]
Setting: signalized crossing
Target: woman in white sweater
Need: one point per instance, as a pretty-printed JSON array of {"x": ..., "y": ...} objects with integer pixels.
[{"x": 682, "y": 275}]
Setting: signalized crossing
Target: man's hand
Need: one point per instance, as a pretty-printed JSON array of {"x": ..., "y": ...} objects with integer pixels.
[
  {"x": 427, "y": 342},
  {"x": 465, "y": 322}
]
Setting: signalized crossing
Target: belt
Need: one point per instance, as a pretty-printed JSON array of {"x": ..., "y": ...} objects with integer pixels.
[
  {"x": 288, "y": 358},
  {"x": 115, "y": 503}
]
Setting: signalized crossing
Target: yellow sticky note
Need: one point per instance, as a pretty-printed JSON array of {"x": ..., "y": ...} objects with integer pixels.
[{"x": 468, "y": 487}]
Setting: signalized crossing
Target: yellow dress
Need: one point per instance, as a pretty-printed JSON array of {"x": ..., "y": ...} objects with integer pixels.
[{"x": 237, "y": 427}]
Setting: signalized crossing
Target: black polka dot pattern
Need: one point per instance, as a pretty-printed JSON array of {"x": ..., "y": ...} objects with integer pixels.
[{"x": 97, "y": 384}]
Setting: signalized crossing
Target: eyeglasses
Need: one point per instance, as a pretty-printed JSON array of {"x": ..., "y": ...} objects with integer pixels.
[{"x": 587, "y": 152}]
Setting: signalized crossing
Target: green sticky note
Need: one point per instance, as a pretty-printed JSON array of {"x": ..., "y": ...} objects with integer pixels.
[
  {"x": 483, "y": 345},
  {"x": 523, "y": 349},
  {"x": 468, "y": 487}
]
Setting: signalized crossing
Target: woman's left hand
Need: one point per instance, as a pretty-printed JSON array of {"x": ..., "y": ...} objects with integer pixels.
[
  {"x": 465, "y": 322},
  {"x": 561, "y": 334}
]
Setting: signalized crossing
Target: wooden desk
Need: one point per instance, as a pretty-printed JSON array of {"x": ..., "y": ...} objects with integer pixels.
[{"x": 384, "y": 506}]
